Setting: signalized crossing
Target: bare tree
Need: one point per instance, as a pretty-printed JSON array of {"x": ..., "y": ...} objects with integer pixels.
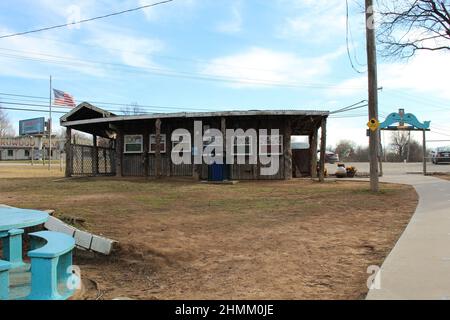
[
  {"x": 345, "y": 149},
  {"x": 407, "y": 26},
  {"x": 361, "y": 154},
  {"x": 415, "y": 151},
  {"x": 399, "y": 144},
  {"x": 6, "y": 128}
]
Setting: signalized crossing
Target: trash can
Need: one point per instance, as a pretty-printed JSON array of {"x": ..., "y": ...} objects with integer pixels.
[{"x": 216, "y": 172}]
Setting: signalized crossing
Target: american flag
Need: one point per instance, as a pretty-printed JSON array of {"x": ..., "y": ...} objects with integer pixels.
[{"x": 63, "y": 99}]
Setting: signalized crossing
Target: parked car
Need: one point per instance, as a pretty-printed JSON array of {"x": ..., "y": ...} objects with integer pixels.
[
  {"x": 331, "y": 157},
  {"x": 441, "y": 155}
]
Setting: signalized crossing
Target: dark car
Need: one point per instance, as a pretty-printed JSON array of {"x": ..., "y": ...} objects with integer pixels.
[{"x": 441, "y": 155}]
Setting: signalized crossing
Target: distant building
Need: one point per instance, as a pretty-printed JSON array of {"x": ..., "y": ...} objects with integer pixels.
[{"x": 24, "y": 148}]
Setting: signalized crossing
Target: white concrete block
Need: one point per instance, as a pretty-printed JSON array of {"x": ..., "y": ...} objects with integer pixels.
[
  {"x": 83, "y": 239},
  {"x": 52, "y": 224},
  {"x": 66, "y": 229},
  {"x": 102, "y": 245}
]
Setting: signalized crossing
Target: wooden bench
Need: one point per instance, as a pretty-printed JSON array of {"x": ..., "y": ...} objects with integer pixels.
[
  {"x": 5, "y": 266},
  {"x": 51, "y": 263}
]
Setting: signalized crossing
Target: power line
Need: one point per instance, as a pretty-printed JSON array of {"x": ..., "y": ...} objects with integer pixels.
[
  {"x": 347, "y": 39},
  {"x": 362, "y": 115},
  {"x": 440, "y": 133},
  {"x": 152, "y": 54},
  {"x": 427, "y": 101},
  {"x": 30, "y": 110},
  {"x": 107, "y": 105},
  {"x": 85, "y": 20},
  {"x": 99, "y": 103},
  {"x": 168, "y": 73},
  {"x": 102, "y": 103},
  {"x": 351, "y": 107}
]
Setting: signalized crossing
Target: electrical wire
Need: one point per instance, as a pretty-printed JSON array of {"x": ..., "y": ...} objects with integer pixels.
[
  {"x": 67, "y": 61},
  {"x": 351, "y": 107},
  {"x": 85, "y": 20},
  {"x": 347, "y": 36},
  {"x": 29, "y": 110},
  {"x": 100, "y": 103}
]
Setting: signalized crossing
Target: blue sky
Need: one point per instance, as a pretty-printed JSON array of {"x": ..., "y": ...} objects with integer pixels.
[{"x": 195, "y": 55}]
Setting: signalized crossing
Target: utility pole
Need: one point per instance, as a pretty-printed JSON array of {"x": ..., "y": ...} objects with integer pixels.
[
  {"x": 373, "y": 95},
  {"x": 408, "y": 159},
  {"x": 50, "y": 128}
]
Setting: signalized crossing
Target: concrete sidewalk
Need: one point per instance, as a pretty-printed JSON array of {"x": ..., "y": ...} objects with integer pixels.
[{"x": 419, "y": 265}]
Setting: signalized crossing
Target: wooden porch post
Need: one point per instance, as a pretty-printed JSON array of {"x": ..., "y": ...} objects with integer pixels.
[
  {"x": 119, "y": 152},
  {"x": 323, "y": 146},
  {"x": 287, "y": 150},
  {"x": 424, "y": 152},
  {"x": 158, "y": 148},
  {"x": 146, "y": 157},
  {"x": 313, "y": 152},
  {"x": 68, "y": 149},
  {"x": 223, "y": 129},
  {"x": 95, "y": 156}
]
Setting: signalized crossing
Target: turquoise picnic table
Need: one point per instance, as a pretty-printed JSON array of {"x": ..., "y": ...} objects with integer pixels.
[
  {"x": 50, "y": 275},
  {"x": 13, "y": 221},
  {"x": 15, "y": 218}
]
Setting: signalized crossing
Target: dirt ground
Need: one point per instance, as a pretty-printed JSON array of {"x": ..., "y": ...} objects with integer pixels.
[{"x": 181, "y": 239}]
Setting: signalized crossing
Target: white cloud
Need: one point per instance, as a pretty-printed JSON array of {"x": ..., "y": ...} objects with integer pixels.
[
  {"x": 258, "y": 67},
  {"x": 29, "y": 57},
  {"x": 427, "y": 73},
  {"x": 106, "y": 43},
  {"x": 132, "y": 50},
  {"x": 178, "y": 8},
  {"x": 234, "y": 25},
  {"x": 314, "y": 21}
]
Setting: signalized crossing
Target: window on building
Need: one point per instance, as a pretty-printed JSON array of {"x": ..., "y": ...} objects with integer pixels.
[
  {"x": 163, "y": 144},
  {"x": 300, "y": 143},
  {"x": 27, "y": 153},
  {"x": 243, "y": 144},
  {"x": 271, "y": 145},
  {"x": 133, "y": 144},
  {"x": 10, "y": 153}
]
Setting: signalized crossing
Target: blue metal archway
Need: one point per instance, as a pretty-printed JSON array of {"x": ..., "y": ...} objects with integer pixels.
[{"x": 407, "y": 122}]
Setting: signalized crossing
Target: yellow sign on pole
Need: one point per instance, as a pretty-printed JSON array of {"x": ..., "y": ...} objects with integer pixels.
[{"x": 373, "y": 124}]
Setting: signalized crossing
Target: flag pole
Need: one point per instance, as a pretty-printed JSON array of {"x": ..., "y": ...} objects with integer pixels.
[{"x": 50, "y": 129}]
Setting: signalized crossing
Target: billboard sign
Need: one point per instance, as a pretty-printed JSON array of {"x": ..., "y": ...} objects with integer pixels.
[{"x": 32, "y": 127}]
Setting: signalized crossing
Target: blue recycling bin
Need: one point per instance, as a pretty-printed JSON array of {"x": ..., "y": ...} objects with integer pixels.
[{"x": 217, "y": 172}]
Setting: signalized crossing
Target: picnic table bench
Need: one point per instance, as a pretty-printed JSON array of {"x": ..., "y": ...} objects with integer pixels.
[
  {"x": 5, "y": 266},
  {"x": 50, "y": 254},
  {"x": 51, "y": 262}
]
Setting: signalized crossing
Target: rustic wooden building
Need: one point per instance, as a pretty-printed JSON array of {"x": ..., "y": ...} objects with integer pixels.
[{"x": 129, "y": 144}]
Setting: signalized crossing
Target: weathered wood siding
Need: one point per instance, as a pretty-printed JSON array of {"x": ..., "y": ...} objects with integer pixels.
[
  {"x": 145, "y": 164},
  {"x": 133, "y": 165}
]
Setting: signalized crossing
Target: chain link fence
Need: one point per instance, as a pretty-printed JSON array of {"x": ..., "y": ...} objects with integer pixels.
[{"x": 87, "y": 162}]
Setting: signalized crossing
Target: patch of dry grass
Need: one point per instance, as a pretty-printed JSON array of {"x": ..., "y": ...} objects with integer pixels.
[
  {"x": 18, "y": 170},
  {"x": 180, "y": 239}
]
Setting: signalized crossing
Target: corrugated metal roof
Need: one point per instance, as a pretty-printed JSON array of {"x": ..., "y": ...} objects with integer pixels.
[{"x": 195, "y": 115}]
